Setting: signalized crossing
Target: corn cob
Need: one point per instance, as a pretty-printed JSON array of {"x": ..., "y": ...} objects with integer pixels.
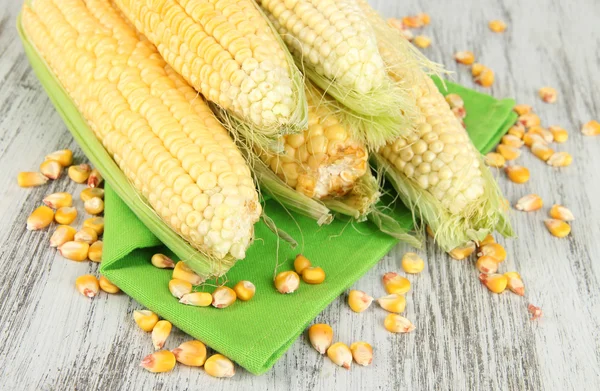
[{"x": 176, "y": 155}]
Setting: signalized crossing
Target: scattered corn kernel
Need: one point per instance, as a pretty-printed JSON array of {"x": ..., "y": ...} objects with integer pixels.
[
  {"x": 412, "y": 263},
  {"x": 529, "y": 119},
  {"x": 536, "y": 312},
  {"x": 494, "y": 159},
  {"x": 487, "y": 264},
  {"x": 145, "y": 319},
  {"x": 493, "y": 250},
  {"x": 487, "y": 240},
  {"x": 62, "y": 234},
  {"x": 87, "y": 285},
  {"x": 395, "y": 303},
  {"x": 464, "y": 57},
  {"x": 94, "y": 206},
  {"x": 494, "y": 282},
  {"x": 359, "y": 301},
  {"x": 515, "y": 283},
  {"x": 301, "y": 263},
  {"x": 559, "y": 134},
  {"x": 95, "y": 178},
  {"x": 422, "y": 41},
  {"x": 412, "y": 22},
  {"x": 517, "y": 131},
  {"x": 455, "y": 101},
  {"x": 425, "y": 18},
  {"x": 51, "y": 169},
  {"x": 95, "y": 223},
  {"x": 218, "y": 365},
  {"x": 95, "y": 251},
  {"x": 161, "y": 261},
  {"x": 40, "y": 218},
  {"x": 313, "y": 275},
  {"x": 340, "y": 354},
  {"x": 157, "y": 362},
  {"x": 398, "y": 324},
  {"x": 404, "y": 31},
  {"x": 79, "y": 173},
  {"x": 179, "y": 288},
  {"x": 65, "y": 215},
  {"x": 591, "y": 128},
  {"x": 558, "y": 228},
  {"x": 320, "y": 336},
  {"x": 460, "y": 113},
  {"x": 497, "y": 26},
  {"x": 460, "y": 253},
  {"x": 244, "y": 290},
  {"x": 508, "y": 152},
  {"x": 560, "y": 159},
  {"x": 223, "y": 297},
  {"x": 86, "y": 235},
  {"x": 160, "y": 333},
  {"x": 58, "y": 200},
  {"x": 197, "y": 299},
  {"x": 108, "y": 286},
  {"x": 477, "y": 69},
  {"x": 544, "y": 133},
  {"x": 529, "y": 203},
  {"x": 485, "y": 78},
  {"x": 548, "y": 94},
  {"x": 522, "y": 109},
  {"x": 560, "y": 212},
  {"x": 63, "y": 156},
  {"x": 530, "y": 138},
  {"x": 362, "y": 353},
  {"x": 512, "y": 141},
  {"x": 75, "y": 251},
  {"x": 395, "y": 283},
  {"x": 191, "y": 353},
  {"x": 542, "y": 151},
  {"x": 31, "y": 179},
  {"x": 287, "y": 282},
  {"x": 183, "y": 272},
  {"x": 91, "y": 192},
  {"x": 517, "y": 174}
]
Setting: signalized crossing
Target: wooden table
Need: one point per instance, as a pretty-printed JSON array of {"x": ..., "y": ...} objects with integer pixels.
[{"x": 466, "y": 338}]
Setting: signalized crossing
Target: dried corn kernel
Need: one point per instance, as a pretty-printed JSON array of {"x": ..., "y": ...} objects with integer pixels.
[
  {"x": 558, "y": 228},
  {"x": 398, "y": 324},
  {"x": 51, "y": 169},
  {"x": 160, "y": 333},
  {"x": 62, "y": 234},
  {"x": 218, "y": 365},
  {"x": 591, "y": 128},
  {"x": 86, "y": 235},
  {"x": 487, "y": 264},
  {"x": 313, "y": 275},
  {"x": 465, "y": 57},
  {"x": 508, "y": 152},
  {"x": 477, "y": 69},
  {"x": 493, "y": 250},
  {"x": 301, "y": 263},
  {"x": 422, "y": 41},
  {"x": 560, "y": 212},
  {"x": 560, "y": 159},
  {"x": 95, "y": 223},
  {"x": 95, "y": 251},
  {"x": 460, "y": 113},
  {"x": 529, "y": 120},
  {"x": 536, "y": 312},
  {"x": 485, "y": 78},
  {"x": 359, "y": 301},
  {"x": 497, "y": 26},
  {"x": 157, "y": 362},
  {"x": 522, "y": 109},
  {"x": 87, "y": 285},
  {"x": 548, "y": 94},
  {"x": 58, "y": 200},
  {"x": 94, "y": 206},
  {"x": 223, "y": 297},
  {"x": 517, "y": 174},
  {"x": 515, "y": 283},
  {"x": 463, "y": 252},
  {"x": 244, "y": 290},
  {"x": 494, "y": 282},
  {"x": 425, "y": 18},
  {"x": 145, "y": 319},
  {"x": 340, "y": 354},
  {"x": 455, "y": 101},
  {"x": 178, "y": 288},
  {"x": 412, "y": 263},
  {"x": 542, "y": 151},
  {"x": 161, "y": 261},
  {"x": 529, "y": 203},
  {"x": 191, "y": 353},
  {"x": 63, "y": 156},
  {"x": 95, "y": 178},
  {"x": 393, "y": 303},
  {"x": 197, "y": 299},
  {"x": 108, "y": 286},
  {"x": 517, "y": 131},
  {"x": 404, "y": 31},
  {"x": 31, "y": 179},
  {"x": 394, "y": 283},
  {"x": 183, "y": 272},
  {"x": 40, "y": 218},
  {"x": 544, "y": 133},
  {"x": 75, "y": 251},
  {"x": 512, "y": 141},
  {"x": 79, "y": 173},
  {"x": 287, "y": 282},
  {"x": 487, "y": 240},
  {"x": 320, "y": 337},
  {"x": 559, "y": 134},
  {"x": 65, "y": 215},
  {"x": 494, "y": 159},
  {"x": 362, "y": 353},
  {"x": 91, "y": 192},
  {"x": 531, "y": 138},
  {"x": 412, "y": 22}
]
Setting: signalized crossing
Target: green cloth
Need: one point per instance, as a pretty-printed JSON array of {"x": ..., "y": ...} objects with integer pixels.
[{"x": 257, "y": 333}]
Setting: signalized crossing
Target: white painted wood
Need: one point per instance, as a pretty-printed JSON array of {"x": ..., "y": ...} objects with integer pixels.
[{"x": 466, "y": 338}]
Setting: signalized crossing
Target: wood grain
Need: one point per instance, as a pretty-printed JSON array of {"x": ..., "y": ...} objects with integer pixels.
[{"x": 53, "y": 339}]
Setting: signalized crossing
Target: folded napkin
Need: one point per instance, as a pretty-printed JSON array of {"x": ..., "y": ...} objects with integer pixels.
[{"x": 257, "y": 333}]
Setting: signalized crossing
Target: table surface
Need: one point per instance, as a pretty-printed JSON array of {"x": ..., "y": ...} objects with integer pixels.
[{"x": 466, "y": 338}]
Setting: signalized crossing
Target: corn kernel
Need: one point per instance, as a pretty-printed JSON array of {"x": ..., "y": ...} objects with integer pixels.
[
  {"x": 529, "y": 203},
  {"x": 58, "y": 200},
  {"x": 536, "y": 312},
  {"x": 517, "y": 174},
  {"x": 223, "y": 297},
  {"x": 494, "y": 282},
  {"x": 512, "y": 141},
  {"x": 522, "y": 109},
  {"x": 531, "y": 138},
  {"x": 517, "y": 131},
  {"x": 320, "y": 337},
  {"x": 75, "y": 251},
  {"x": 403, "y": 30},
  {"x": 94, "y": 206},
  {"x": 31, "y": 179},
  {"x": 287, "y": 282},
  {"x": 63, "y": 156},
  {"x": 398, "y": 324},
  {"x": 558, "y": 228},
  {"x": 528, "y": 120},
  {"x": 95, "y": 178},
  {"x": 191, "y": 353},
  {"x": 197, "y": 299},
  {"x": 340, "y": 354},
  {"x": 412, "y": 263},
  {"x": 591, "y": 128},
  {"x": 515, "y": 283},
  {"x": 108, "y": 286},
  {"x": 62, "y": 234},
  {"x": 560, "y": 212},
  {"x": 487, "y": 240},
  {"x": 65, "y": 215},
  {"x": 508, "y": 152},
  {"x": 430, "y": 232},
  {"x": 412, "y": 22},
  {"x": 422, "y": 41},
  {"x": 393, "y": 303},
  {"x": 359, "y": 301},
  {"x": 493, "y": 250},
  {"x": 477, "y": 69},
  {"x": 86, "y": 235},
  {"x": 541, "y": 151},
  {"x": 494, "y": 159},
  {"x": 79, "y": 173},
  {"x": 362, "y": 353},
  {"x": 87, "y": 285},
  {"x": 487, "y": 264},
  {"x": 183, "y": 272},
  {"x": 218, "y": 365},
  {"x": 301, "y": 263},
  {"x": 425, "y": 18},
  {"x": 313, "y": 275},
  {"x": 178, "y": 288},
  {"x": 161, "y": 261},
  {"x": 544, "y": 133},
  {"x": 560, "y": 159},
  {"x": 157, "y": 362},
  {"x": 91, "y": 192},
  {"x": 160, "y": 333},
  {"x": 559, "y": 134},
  {"x": 95, "y": 223},
  {"x": 465, "y": 57},
  {"x": 486, "y": 78},
  {"x": 244, "y": 290},
  {"x": 95, "y": 251},
  {"x": 51, "y": 169},
  {"x": 455, "y": 101},
  {"x": 463, "y": 252},
  {"x": 394, "y": 283},
  {"x": 460, "y": 113},
  {"x": 145, "y": 319},
  {"x": 497, "y": 26},
  {"x": 40, "y": 218},
  {"x": 548, "y": 94}
]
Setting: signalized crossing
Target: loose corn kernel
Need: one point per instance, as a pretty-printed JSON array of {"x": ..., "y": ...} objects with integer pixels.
[
  {"x": 244, "y": 290},
  {"x": 487, "y": 240},
  {"x": 359, "y": 301},
  {"x": 548, "y": 94},
  {"x": 494, "y": 282},
  {"x": 412, "y": 22},
  {"x": 544, "y": 133},
  {"x": 191, "y": 353},
  {"x": 62, "y": 234},
  {"x": 197, "y": 299},
  {"x": 320, "y": 336},
  {"x": 558, "y": 228},
  {"x": 522, "y": 109},
  {"x": 223, "y": 297},
  {"x": 340, "y": 354},
  {"x": 460, "y": 113},
  {"x": 398, "y": 25},
  {"x": 425, "y": 18},
  {"x": 58, "y": 200},
  {"x": 160, "y": 333},
  {"x": 463, "y": 252},
  {"x": 393, "y": 303},
  {"x": 465, "y": 57},
  {"x": 455, "y": 101},
  {"x": 287, "y": 282},
  {"x": 108, "y": 286},
  {"x": 508, "y": 152},
  {"x": 560, "y": 212},
  {"x": 517, "y": 174},
  {"x": 493, "y": 250},
  {"x": 529, "y": 203},
  {"x": 494, "y": 159},
  {"x": 560, "y": 159},
  {"x": 95, "y": 178},
  {"x": 487, "y": 264},
  {"x": 536, "y": 312},
  {"x": 157, "y": 362},
  {"x": 559, "y": 134},
  {"x": 398, "y": 324},
  {"x": 161, "y": 261},
  {"x": 512, "y": 141},
  {"x": 40, "y": 218},
  {"x": 486, "y": 78},
  {"x": 497, "y": 26},
  {"x": 542, "y": 151},
  {"x": 95, "y": 251},
  {"x": 218, "y": 365},
  {"x": 183, "y": 272},
  {"x": 591, "y": 128},
  {"x": 79, "y": 173},
  {"x": 477, "y": 69},
  {"x": 86, "y": 235},
  {"x": 313, "y": 275},
  {"x": 31, "y": 179},
  {"x": 515, "y": 283},
  {"x": 517, "y": 131},
  {"x": 362, "y": 353},
  {"x": 529, "y": 119},
  {"x": 94, "y": 206},
  {"x": 91, "y": 192},
  {"x": 395, "y": 283},
  {"x": 65, "y": 215},
  {"x": 145, "y": 319},
  {"x": 412, "y": 263},
  {"x": 178, "y": 288},
  {"x": 63, "y": 156},
  {"x": 51, "y": 169},
  {"x": 95, "y": 223},
  {"x": 531, "y": 138},
  {"x": 301, "y": 263},
  {"x": 87, "y": 285},
  {"x": 75, "y": 251},
  {"x": 422, "y": 41}
]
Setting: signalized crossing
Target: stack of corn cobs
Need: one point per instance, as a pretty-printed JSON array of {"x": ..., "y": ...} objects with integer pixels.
[{"x": 195, "y": 100}]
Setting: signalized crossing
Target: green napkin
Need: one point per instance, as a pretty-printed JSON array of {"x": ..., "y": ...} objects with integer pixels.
[{"x": 255, "y": 334}]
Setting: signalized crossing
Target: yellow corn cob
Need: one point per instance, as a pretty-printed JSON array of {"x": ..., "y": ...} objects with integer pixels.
[{"x": 173, "y": 151}]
